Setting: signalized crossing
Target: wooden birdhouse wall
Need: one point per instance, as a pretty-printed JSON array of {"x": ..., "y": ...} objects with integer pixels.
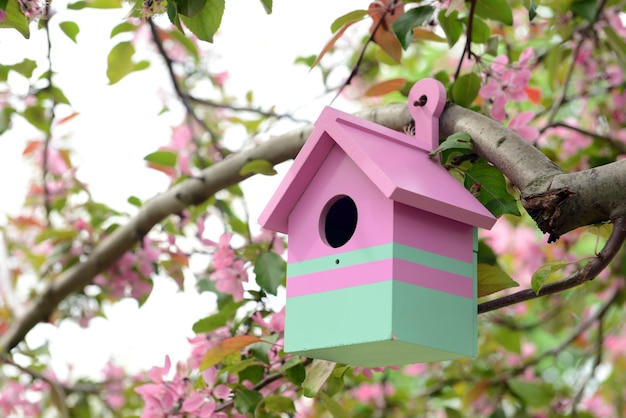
[{"x": 338, "y": 176}]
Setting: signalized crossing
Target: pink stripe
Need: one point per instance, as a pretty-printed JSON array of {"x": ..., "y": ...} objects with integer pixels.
[
  {"x": 379, "y": 271},
  {"x": 444, "y": 281}
]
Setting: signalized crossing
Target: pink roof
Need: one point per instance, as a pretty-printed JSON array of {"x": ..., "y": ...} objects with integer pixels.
[{"x": 396, "y": 163}]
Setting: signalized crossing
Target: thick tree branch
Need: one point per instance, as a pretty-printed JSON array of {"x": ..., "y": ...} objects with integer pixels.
[{"x": 527, "y": 168}]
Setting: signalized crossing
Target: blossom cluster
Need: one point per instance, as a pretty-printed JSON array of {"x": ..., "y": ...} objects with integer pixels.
[
  {"x": 130, "y": 274},
  {"x": 230, "y": 272}
]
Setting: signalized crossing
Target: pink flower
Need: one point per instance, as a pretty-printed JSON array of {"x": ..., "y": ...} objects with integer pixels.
[
  {"x": 113, "y": 385},
  {"x": 598, "y": 407},
  {"x": 520, "y": 123},
  {"x": 276, "y": 324},
  {"x": 221, "y": 78},
  {"x": 507, "y": 83},
  {"x": 230, "y": 279},
  {"x": 224, "y": 256},
  {"x": 3, "y": 15}
]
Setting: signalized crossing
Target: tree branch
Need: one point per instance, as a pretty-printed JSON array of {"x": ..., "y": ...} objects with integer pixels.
[
  {"x": 526, "y": 167},
  {"x": 586, "y": 273}
]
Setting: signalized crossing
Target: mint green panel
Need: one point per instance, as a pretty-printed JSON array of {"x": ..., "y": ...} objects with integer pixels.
[
  {"x": 381, "y": 324},
  {"x": 440, "y": 320},
  {"x": 339, "y": 317}
]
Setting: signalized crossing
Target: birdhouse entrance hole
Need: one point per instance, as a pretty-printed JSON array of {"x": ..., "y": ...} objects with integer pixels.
[{"x": 338, "y": 221}]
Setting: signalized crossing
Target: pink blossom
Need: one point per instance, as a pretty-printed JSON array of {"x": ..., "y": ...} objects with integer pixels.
[
  {"x": 224, "y": 256},
  {"x": 277, "y": 244},
  {"x": 415, "y": 370},
  {"x": 198, "y": 405},
  {"x": 367, "y": 371},
  {"x": 181, "y": 137},
  {"x": 598, "y": 406},
  {"x": 520, "y": 125},
  {"x": 230, "y": 279},
  {"x": 507, "y": 83},
  {"x": 229, "y": 273},
  {"x": 113, "y": 385},
  {"x": 3, "y": 15},
  {"x": 276, "y": 324},
  {"x": 374, "y": 393},
  {"x": 130, "y": 274},
  {"x": 32, "y": 9},
  {"x": 221, "y": 78}
]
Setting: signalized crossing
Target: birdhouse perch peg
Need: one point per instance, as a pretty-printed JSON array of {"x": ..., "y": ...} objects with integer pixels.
[{"x": 382, "y": 243}]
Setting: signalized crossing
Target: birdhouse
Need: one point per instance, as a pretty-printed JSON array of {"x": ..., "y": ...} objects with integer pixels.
[{"x": 381, "y": 266}]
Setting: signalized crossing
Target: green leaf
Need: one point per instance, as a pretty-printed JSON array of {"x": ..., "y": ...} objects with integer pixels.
[
  {"x": 70, "y": 29},
  {"x": 120, "y": 62},
  {"x": 403, "y": 26},
  {"x": 95, "y": 4},
  {"x": 246, "y": 400},
  {"x": 332, "y": 406},
  {"x": 316, "y": 375},
  {"x": 270, "y": 271},
  {"x": 532, "y": 10},
  {"x": 492, "y": 46},
  {"x": 25, "y": 67},
  {"x": 480, "y": 30},
  {"x": 334, "y": 384},
  {"x": 5, "y": 118},
  {"x": 296, "y": 374},
  {"x": 458, "y": 140},
  {"x": 267, "y": 5},
  {"x": 15, "y": 19},
  {"x": 216, "y": 320},
  {"x": 509, "y": 339},
  {"x": 491, "y": 189},
  {"x": 586, "y": 9},
  {"x": 495, "y": 10},
  {"x": 162, "y": 158},
  {"x": 492, "y": 279},
  {"x": 122, "y": 27},
  {"x": 258, "y": 167},
  {"x": 542, "y": 276},
  {"x": 225, "y": 348},
  {"x": 617, "y": 44},
  {"x": 36, "y": 115},
  {"x": 350, "y": 17},
  {"x": 277, "y": 403},
  {"x": 190, "y": 8},
  {"x": 207, "y": 22},
  {"x": 134, "y": 200},
  {"x": 533, "y": 394},
  {"x": 451, "y": 25},
  {"x": 58, "y": 95},
  {"x": 465, "y": 89}
]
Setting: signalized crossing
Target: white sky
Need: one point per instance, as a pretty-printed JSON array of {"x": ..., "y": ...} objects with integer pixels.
[{"x": 118, "y": 126}]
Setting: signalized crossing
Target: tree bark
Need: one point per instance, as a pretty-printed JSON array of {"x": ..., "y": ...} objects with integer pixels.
[{"x": 558, "y": 202}]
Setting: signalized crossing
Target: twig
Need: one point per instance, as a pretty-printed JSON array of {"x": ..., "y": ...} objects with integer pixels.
[
  {"x": 556, "y": 350},
  {"x": 269, "y": 114},
  {"x": 620, "y": 146},
  {"x": 586, "y": 273},
  {"x": 355, "y": 69},
  {"x": 568, "y": 78},
  {"x": 177, "y": 88},
  {"x": 468, "y": 39},
  {"x": 46, "y": 144}
]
